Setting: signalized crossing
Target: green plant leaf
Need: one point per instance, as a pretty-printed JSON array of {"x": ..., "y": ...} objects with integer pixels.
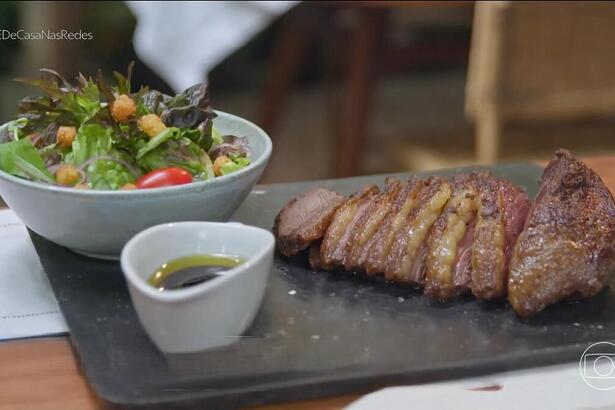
[{"x": 20, "y": 158}]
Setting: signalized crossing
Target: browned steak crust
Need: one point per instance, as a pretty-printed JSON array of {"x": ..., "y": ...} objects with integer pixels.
[
  {"x": 446, "y": 234},
  {"x": 462, "y": 273},
  {"x": 516, "y": 207},
  {"x": 567, "y": 246},
  {"x": 305, "y": 219},
  {"x": 369, "y": 223},
  {"x": 488, "y": 259},
  {"x": 410, "y": 238},
  {"x": 314, "y": 256},
  {"x": 378, "y": 247},
  {"x": 335, "y": 243}
]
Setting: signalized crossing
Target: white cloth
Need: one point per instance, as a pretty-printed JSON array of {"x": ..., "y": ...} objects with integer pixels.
[
  {"x": 553, "y": 387},
  {"x": 182, "y": 41},
  {"x": 27, "y": 305}
]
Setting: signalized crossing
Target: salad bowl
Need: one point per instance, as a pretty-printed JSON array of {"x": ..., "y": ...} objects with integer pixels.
[{"x": 99, "y": 223}]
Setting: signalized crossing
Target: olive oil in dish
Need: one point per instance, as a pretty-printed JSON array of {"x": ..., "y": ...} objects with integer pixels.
[{"x": 191, "y": 270}]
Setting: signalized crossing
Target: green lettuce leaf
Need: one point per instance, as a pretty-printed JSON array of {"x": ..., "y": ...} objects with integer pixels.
[
  {"x": 106, "y": 174},
  {"x": 20, "y": 158},
  {"x": 13, "y": 130},
  {"x": 91, "y": 140},
  {"x": 188, "y": 110},
  {"x": 123, "y": 82},
  {"x": 62, "y": 103},
  {"x": 158, "y": 140},
  {"x": 216, "y": 136},
  {"x": 191, "y": 134},
  {"x": 235, "y": 164},
  {"x": 16, "y": 128},
  {"x": 94, "y": 140}
]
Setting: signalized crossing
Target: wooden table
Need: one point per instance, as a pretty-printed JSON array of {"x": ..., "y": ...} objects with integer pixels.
[{"x": 43, "y": 374}]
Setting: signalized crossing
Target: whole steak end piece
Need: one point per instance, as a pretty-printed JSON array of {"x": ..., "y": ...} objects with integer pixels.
[
  {"x": 305, "y": 219},
  {"x": 567, "y": 246}
]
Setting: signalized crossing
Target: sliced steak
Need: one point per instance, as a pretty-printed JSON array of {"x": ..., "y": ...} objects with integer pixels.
[
  {"x": 418, "y": 270},
  {"x": 475, "y": 233},
  {"x": 379, "y": 246},
  {"x": 516, "y": 207},
  {"x": 567, "y": 246},
  {"x": 447, "y": 234},
  {"x": 488, "y": 260},
  {"x": 370, "y": 222},
  {"x": 305, "y": 219},
  {"x": 462, "y": 271},
  {"x": 314, "y": 256},
  {"x": 335, "y": 243},
  {"x": 432, "y": 198}
]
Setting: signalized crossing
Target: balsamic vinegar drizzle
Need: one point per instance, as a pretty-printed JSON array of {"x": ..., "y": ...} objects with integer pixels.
[{"x": 192, "y": 270}]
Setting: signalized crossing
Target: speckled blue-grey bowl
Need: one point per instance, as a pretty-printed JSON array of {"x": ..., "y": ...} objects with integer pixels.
[{"x": 99, "y": 223}]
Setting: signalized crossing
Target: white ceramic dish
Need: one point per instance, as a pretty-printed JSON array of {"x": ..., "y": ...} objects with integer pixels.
[
  {"x": 211, "y": 314},
  {"x": 99, "y": 223}
]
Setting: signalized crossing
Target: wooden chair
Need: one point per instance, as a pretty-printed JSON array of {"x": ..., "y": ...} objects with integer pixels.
[{"x": 538, "y": 61}]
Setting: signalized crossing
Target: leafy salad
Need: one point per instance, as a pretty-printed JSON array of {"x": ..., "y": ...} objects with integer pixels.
[{"x": 95, "y": 136}]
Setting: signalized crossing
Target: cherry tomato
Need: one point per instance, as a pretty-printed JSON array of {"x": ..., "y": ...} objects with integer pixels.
[{"x": 164, "y": 177}]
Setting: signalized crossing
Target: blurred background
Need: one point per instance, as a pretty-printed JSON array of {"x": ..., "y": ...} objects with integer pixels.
[{"x": 351, "y": 88}]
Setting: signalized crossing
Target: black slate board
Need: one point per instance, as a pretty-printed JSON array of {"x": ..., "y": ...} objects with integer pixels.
[{"x": 317, "y": 334}]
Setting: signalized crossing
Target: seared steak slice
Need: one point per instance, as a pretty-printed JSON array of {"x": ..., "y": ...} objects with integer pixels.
[
  {"x": 370, "y": 222},
  {"x": 305, "y": 219},
  {"x": 314, "y": 256},
  {"x": 379, "y": 246},
  {"x": 462, "y": 276},
  {"x": 418, "y": 270},
  {"x": 432, "y": 198},
  {"x": 516, "y": 207},
  {"x": 443, "y": 242},
  {"x": 335, "y": 243},
  {"x": 488, "y": 260},
  {"x": 567, "y": 246}
]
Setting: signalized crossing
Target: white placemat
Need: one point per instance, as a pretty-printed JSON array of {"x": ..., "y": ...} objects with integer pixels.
[
  {"x": 559, "y": 387},
  {"x": 28, "y": 306}
]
